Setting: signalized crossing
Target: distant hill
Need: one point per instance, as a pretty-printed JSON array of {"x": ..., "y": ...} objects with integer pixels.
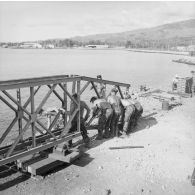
[
  {"x": 161, "y": 37},
  {"x": 178, "y": 31}
]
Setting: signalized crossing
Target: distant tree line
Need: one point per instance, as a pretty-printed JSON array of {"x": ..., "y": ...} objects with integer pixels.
[{"x": 162, "y": 44}]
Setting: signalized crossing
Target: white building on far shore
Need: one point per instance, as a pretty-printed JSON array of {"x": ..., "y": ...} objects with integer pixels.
[
  {"x": 97, "y": 46},
  {"x": 31, "y": 45},
  {"x": 49, "y": 46}
]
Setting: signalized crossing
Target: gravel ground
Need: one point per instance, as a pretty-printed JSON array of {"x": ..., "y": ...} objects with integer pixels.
[{"x": 162, "y": 165}]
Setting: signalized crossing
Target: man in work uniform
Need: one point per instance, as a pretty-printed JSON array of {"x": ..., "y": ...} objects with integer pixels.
[
  {"x": 138, "y": 111},
  {"x": 128, "y": 104},
  {"x": 175, "y": 82},
  {"x": 104, "y": 110},
  {"x": 101, "y": 88},
  {"x": 117, "y": 107},
  {"x": 83, "y": 107}
]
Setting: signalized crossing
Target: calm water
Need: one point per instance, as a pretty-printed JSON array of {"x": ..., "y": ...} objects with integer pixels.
[{"x": 154, "y": 70}]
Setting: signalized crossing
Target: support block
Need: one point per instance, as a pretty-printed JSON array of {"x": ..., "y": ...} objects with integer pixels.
[{"x": 68, "y": 158}]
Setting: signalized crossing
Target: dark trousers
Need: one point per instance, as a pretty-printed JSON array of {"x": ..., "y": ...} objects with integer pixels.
[
  {"x": 82, "y": 127},
  {"x": 137, "y": 115},
  {"x": 104, "y": 120},
  {"x": 114, "y": 123}
]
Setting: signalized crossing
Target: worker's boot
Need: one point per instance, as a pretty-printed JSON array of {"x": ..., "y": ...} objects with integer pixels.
[
  {"x": 112, "y": 133},
  {"x": 99, "y": 137},
  {"x": 86, "y": 141},
  {"x": 85, "y": 137},
  {"x": 125, "y": 128},
  {"x": 106, "y": 134},
  {"x": 70, "y": 143}
]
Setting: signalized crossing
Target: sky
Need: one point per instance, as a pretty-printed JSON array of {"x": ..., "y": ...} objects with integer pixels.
[{"x": 31, "y": 21}]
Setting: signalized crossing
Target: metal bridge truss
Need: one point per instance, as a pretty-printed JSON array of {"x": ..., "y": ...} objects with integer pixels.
[{"x": 26, "y": 113}]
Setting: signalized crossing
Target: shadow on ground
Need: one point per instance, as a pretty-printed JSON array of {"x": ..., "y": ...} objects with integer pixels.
[
  {"x": 145, "y": 123},
  {"x": 84, "y": 160},
  {"x": 11, "y": 178}
]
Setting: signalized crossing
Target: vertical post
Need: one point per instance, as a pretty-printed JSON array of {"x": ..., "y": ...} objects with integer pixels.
[
  {"x": 96, "y": 91},
  {"x": 120, "y": 92},
  {"x": 65, "y": 105},
  {"x": 79, "y": 112},
  {"x": 73, "y": 86},
  {"x": 19, "y": 111},
  {"x": 32, "y": 116}
]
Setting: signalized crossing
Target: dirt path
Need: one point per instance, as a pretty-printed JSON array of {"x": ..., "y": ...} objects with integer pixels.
[{"x": 162, "y": 165}]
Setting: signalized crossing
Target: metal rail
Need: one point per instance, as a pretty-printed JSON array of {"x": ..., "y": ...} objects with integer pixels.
[{"x": 27, "y": 112}]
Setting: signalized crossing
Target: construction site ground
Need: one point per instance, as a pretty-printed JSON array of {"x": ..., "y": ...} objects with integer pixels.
[{"x": 160, "y": 161}]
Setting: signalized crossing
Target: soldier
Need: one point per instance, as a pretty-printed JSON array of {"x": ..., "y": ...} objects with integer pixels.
[
  {"x": 117, "y": 107},
  {"x": 101, "y": 88},
  {"x": 175, "y": 82},
  {"x": 138, "y": 111},
  {"x": 83, "y": 106},
  {"x": 128, "y": 104},
  {"x": 103, "y": 109}
]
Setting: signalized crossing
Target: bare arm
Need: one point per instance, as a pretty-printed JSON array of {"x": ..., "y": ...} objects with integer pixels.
[
  {"x": 87, "y": 109},
  {"x": 72, "y": 107}
]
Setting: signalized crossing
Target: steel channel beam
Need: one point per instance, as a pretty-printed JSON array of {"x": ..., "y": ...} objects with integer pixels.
[
  {"x": 34, "y": 78},
  {"x": 8, "y": 130},
  {"x": 18, "y": 138},
  {"x": 68, "y": 94},
  {"x": 32, "y": 113},
  {"x": 29, "y": 99},
  {"x": 8, "y": 104},
  {"x": 28, "y": 142},
  {"x": 56, "y": 93},
  {"x": 38, "y": 149},
  {"x": 65, "y": 104},
  {"x": 20, "y": 112},
  {"x": 67, "y": 127},
  {"x": 105, "y": 81},
  {"x": 5, "y": 85},
  {"x": 84, "y": 87},
  {"x": 13, "y": 84},
  {"x": 79, "y": 107}
]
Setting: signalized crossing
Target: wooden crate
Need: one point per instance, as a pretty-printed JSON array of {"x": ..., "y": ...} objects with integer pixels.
[{"x": 184, "y": 85}]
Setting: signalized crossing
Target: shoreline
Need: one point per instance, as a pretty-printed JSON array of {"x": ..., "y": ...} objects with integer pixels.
[
  {"x": 158, "y": 51},
  {"x": 115, "y": 48}
]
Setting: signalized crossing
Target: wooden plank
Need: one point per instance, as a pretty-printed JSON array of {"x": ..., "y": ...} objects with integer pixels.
[{"x": 43, "y": 166}]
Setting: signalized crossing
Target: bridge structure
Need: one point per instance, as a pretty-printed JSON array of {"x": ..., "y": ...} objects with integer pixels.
[{"x": 26, "y": 135}]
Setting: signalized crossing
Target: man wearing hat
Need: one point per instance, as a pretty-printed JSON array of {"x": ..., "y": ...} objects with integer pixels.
[
  {"x": 101, "y": 88},
  {"x": 117, "y": 107},
  {"x": 103, "y": 109},
  {"x": 175, "y": 82}
]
